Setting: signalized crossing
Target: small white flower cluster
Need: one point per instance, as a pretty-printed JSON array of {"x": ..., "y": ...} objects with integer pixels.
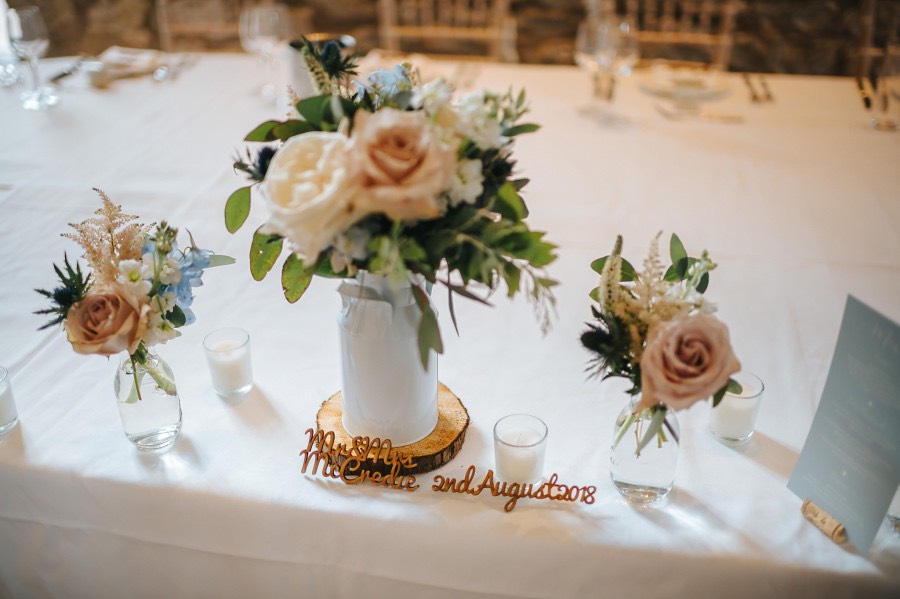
[{"x": 651, "y": 299}]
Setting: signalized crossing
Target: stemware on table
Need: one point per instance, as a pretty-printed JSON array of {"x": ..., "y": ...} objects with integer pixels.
[
  {"x": 263, "y": 28},
  {"x": 29, "y": 40},
  {"x": 606, "y": 48}
]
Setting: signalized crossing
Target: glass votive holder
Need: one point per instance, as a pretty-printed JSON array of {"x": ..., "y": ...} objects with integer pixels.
[
  {"x": 520, "y": 445},
  {"x": 8, "y": 414},
  {"x": 732, "y": 421},
  {"x": 228, "y": 357}
]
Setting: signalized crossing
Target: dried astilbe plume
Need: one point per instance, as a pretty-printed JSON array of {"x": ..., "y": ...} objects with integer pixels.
[{"x": 109, "y": 238}]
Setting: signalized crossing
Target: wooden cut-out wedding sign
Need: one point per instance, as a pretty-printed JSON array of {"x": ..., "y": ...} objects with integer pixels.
[{"x": 377, "y": 462}]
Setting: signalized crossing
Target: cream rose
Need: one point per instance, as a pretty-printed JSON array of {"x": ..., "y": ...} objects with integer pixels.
[
  {"x": 308, "y": 193},
  {"x": 686, "y": 360},
  {"x": 106, "y": 322},
  {"x": 401, "y": 163}
]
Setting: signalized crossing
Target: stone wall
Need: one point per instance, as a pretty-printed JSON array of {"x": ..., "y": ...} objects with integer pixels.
[{"x": 790, "y": 36}]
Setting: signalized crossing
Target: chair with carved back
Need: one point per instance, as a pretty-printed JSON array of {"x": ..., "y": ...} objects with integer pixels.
[
  {"x": 879, "y": 23},
  {"x": 692, "y": 31},
  {"x": 458, "y": 24}
]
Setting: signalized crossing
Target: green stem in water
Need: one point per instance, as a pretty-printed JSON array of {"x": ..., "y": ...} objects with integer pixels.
[
  {"x": 134, "y": 374},
  {"x": 624, "y": 429}
]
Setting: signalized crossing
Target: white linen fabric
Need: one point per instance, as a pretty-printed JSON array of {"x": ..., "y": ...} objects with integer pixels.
[{"x": 799, "y": 206}]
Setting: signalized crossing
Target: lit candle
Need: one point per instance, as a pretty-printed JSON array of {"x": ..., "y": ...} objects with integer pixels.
[
  {"x": 8, "y": 414},
  {"x": 228, "y": 358},
  {"x": 520, "y": 445},
  {"x": 732, "y": 421}
]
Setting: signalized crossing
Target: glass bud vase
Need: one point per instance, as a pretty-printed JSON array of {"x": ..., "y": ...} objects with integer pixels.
[
  {"x": 148, "y": 402},
  {"x": 644, "y": 476}
]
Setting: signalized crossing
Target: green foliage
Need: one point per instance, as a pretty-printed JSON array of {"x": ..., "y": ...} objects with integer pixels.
[
  {"x": 295, "y": 278},
  {"x": 429, "y": 334},
  {"x": 73, "y": 287},
  {"x": 237, "y": 209},
  {"x": 264, "y": 251},
  {"x": 176, "y": 317}
]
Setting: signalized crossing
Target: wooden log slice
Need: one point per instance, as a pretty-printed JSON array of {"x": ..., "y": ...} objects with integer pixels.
[{"x": 430, "y": 453}]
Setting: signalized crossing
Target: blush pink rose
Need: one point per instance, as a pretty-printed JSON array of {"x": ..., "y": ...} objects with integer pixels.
[
  {"x": 106, "y": 322},
  {"x": 686, "y": 360},
  {"x": 401, "y": 164}
]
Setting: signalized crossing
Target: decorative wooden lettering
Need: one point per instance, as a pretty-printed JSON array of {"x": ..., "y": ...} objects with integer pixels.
[
  {"x": 353, "y": 464},
  {"x": 515, "y": 491},
  {"x": 350, "y": 464}
]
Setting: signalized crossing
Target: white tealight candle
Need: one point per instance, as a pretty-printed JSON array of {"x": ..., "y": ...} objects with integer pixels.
[
  {"x": 228, "y": 358},
  {"x": 732, "y": 421},
  {"x": 520, "y": 444},
  {"x": 9, "y": 416}
]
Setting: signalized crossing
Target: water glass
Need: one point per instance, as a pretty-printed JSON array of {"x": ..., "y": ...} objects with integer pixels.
[
  {"x": 228, "y": 357},
  {"x": 520, "y": 446},
  {"x": 29, "y": 40},
  {"x": 732, "y": 421},
  {"x": 8, "y": 414}
]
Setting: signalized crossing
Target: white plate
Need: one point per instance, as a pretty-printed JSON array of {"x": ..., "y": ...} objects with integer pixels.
[{"x": 687, "y": 86}]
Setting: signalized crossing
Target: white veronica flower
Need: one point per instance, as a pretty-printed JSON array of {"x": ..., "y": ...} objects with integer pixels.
[
  {"x": 133, "y": 275},
  {"x": 476, "y": 122},
  {"x": 468, "y": 183}
]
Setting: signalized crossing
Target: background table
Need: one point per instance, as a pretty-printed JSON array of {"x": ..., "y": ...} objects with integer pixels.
[{"x": 800, "y": 206}]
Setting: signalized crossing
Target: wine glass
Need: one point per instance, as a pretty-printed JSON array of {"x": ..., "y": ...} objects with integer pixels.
[
  {"x": 262, "y": 29},
  {"x": 606, "y": 48},
  {"x": 29, "y": 40}
]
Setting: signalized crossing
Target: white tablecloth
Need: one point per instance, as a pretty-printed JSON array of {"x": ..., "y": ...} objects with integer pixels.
[{"x": 800, "y": 206}]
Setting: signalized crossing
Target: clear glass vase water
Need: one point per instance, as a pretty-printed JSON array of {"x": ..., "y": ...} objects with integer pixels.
[
  {"x": 148, "y": 402},
  {"x": 644, "y": 476}
]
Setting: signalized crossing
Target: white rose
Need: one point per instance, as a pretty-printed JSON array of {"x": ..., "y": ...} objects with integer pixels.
[
  {"x": 686, "y": 360},
  {"x": 309, "y": 196},
  {"x": 400, "y": 162}
]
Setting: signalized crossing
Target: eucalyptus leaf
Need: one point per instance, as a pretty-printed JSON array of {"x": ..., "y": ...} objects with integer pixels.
[
  {"x": 263, "y": 132},
  {"x": 237, "y": 209},
  {"x": 264, "y": 251},
  {"x": 509, "y": 204},
  {"x": 704, "y": 283},
  {"x": 289, "y": 129},
  {"x": 429, "y": 336},
  {"x": 717, "y": 397},
  {"x": 295, "y": 278},
  {"x": 676, "y": 249},
  {"x": 313, "y": 109},
  {"x": 519, "y": 129},
  {"x": 628, "y": 272}
]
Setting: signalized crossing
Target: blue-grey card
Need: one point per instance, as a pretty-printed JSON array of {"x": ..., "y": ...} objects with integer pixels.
[{"x": 850, "y": 463}]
